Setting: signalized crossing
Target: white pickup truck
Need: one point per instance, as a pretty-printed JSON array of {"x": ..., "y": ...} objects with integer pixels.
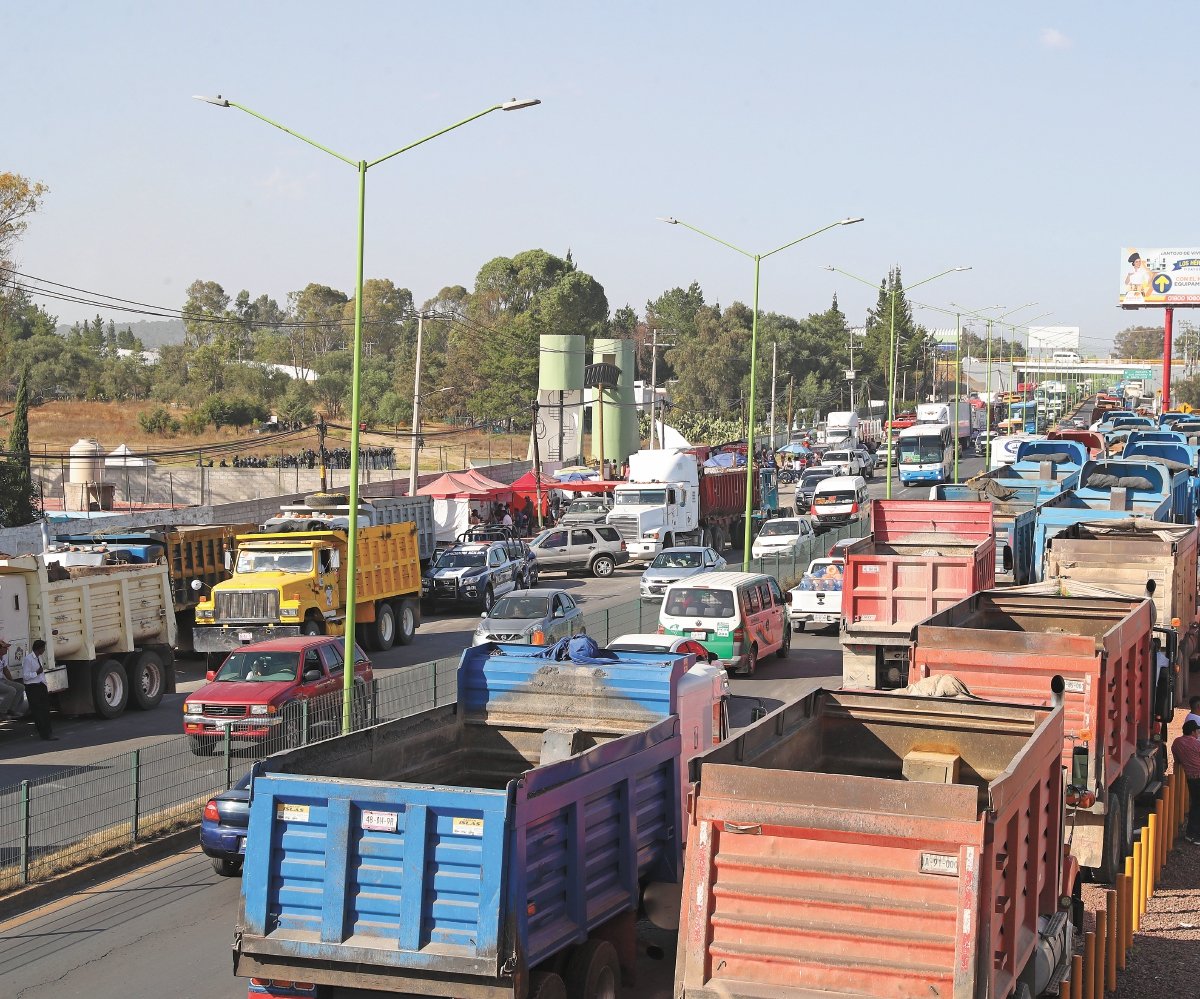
[{"x": 817, "y": 598}]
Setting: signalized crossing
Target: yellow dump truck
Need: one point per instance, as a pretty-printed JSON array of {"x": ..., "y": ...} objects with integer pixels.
[
  {"x": 109, "y": 631},
  {"x": 293, "y": 583}
]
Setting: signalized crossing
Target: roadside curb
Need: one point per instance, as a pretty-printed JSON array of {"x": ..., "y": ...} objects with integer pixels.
[{"x": 33, "y": 896}]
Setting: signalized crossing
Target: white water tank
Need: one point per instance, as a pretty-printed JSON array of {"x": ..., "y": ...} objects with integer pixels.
[{"x": 87, "y": 461}]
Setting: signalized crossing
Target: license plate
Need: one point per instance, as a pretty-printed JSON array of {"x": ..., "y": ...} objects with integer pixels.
[
  {"x": 241, "y": 844},
  {"x": 245, "y": 636},
  {"x": 698, "y": 634}
]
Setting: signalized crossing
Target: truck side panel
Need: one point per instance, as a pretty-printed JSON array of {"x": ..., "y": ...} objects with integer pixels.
[{"x": 389, "y": 565}]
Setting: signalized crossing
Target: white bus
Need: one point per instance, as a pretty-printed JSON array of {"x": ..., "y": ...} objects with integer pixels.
[{"x": 926, "y": 453}]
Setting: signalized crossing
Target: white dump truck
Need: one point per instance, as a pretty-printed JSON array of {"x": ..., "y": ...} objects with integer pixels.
[{"x": 109, "y": 631}]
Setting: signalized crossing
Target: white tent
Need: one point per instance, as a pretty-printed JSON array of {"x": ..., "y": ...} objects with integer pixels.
[{"x": 123, "y": 457}]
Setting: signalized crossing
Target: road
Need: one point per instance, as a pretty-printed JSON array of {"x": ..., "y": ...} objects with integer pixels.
[{"x": 169, "y": 926}]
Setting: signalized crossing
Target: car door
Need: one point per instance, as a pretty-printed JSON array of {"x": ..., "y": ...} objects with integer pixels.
[
  {"x": 779, "y": 610},
  {"x": 310, "y": 689},
  {"x": 552, "y": 553},
  {"x": 572, "y": 615},
  {"x": 583, "y": 547}
]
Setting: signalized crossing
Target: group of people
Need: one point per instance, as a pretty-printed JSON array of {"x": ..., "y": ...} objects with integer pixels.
[
  {"x": 520, "y": 517},
  {"x": 379, "y": 458},
  {"x": 28, "y": 681}
]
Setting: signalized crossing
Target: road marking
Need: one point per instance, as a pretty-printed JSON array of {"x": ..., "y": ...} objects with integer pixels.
[{"x": 52, "y": 907}]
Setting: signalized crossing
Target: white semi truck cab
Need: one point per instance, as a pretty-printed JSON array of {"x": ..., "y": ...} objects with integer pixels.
[{"x": 659, "y": 505}]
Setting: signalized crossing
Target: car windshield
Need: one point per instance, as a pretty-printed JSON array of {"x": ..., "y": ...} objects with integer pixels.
[
  {"x": 523, "y": 607},
  {"x": 677, "y": 560},
  {"x": 837, "y": 456},
  {"x": 698, "y": 602},
  {"x": 260, "y": 667},
  {"x": 779, "y": 529},
  {"x": 840, "y": 496},
  {"x": 640, "y": 497},
  {"x": 268, "y": 561},
  {"x": 587, "y": 506},
  {"x": 812, "y": 477},
  {"x": 921, "y": 450},
  {"x": 459, "y": 560}
]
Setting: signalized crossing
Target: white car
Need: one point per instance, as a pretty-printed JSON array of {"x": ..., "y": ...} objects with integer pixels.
[
  {"x": 845, "y": 461},
  {"x": 782, "y": 537}
]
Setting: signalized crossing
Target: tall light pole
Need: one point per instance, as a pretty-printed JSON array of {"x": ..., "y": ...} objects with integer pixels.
[
  {"x": 892, "y": 355},
  {"x": 361, "y": 166},
  {"x": 758, "y": 258}
]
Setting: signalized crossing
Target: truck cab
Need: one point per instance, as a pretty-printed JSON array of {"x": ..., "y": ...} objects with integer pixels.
[{"x": 660, "y": 502}]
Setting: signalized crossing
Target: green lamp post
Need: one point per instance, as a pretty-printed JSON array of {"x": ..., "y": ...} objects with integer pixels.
[
  {"x": 361, "y": 166},
  {"x": 892, "y": 357},
  {"x": 758, "y": 258}
]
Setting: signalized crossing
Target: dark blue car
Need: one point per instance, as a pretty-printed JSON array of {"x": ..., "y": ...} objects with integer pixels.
[{"x": 223, "y": 828}]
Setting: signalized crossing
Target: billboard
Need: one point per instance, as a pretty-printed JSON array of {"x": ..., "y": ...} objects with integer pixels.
[
  {"x": 1053, "y": 338},
  {"x": 1153, "y": 276}
]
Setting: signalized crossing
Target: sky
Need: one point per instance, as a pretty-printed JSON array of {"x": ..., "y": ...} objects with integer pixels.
[{"x": 1030, "y": 142}]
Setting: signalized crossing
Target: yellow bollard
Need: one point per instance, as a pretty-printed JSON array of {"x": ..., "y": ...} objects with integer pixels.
[
  {"x": 1076, "y": 976},
  {"x": 1089, "y": 964},
  {"x": 1099, "y": 954},
  {"x": 1139, "y": 885},
  {"x": 1122, "y": 948},
  {"x": 1128, "y": 911},
  {"x": 1111, "y": 944},
  {"x": 1152, "y": 856},
  {"x": 1160, "y": 816}
]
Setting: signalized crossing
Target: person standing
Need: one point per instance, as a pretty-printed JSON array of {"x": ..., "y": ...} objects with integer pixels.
[
  {"x": 33, "y": 675},
  {"x": 1194, "y": 712},
  {"x": 10, "y": 690},
  {"x": 1186, "y": 750}
]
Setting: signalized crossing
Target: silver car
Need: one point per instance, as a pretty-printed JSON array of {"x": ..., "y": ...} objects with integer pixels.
[
  {"x": 530, "y": 617},
  {"x": 673, "y": 564}
]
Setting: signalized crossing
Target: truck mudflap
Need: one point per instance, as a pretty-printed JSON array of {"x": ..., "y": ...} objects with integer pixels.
[{"x": 226, "y": 638}]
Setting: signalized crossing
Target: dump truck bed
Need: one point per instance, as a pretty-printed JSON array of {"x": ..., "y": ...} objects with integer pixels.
[{"x": 870, "y": 844}]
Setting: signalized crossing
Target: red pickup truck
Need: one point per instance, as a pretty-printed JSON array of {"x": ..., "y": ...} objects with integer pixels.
[{"x": 249, "y": 693}]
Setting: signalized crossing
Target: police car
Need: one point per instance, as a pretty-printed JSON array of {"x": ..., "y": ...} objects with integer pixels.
[{"x": 473, "y": 573}]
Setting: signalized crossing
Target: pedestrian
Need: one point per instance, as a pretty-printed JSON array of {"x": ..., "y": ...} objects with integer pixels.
[
  {"x": 506, "y": 518},
  {"x": 1194, "y": 713},
  {"x": 1186, "y": 750},
  {"x": 10, "y": 690},
  {"x": 33, "y": 674}
]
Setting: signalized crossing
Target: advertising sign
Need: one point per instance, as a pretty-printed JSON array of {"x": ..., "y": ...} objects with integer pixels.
[{"x": 1153, "y": 276}]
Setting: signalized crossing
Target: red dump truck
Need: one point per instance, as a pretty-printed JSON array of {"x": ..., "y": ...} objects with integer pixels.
[
  {"x": 921, "y": 557},
  {"x": 1007, "y": 645},
  {"x": 861, "y": 844},
  {"x": 1140, "y": 557}
]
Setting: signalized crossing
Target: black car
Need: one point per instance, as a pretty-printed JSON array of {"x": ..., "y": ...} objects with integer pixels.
[
  {"x": 808, "y": 485},
  {"x": 223, "y": 828},
  {"x": 473, "y": 573}
]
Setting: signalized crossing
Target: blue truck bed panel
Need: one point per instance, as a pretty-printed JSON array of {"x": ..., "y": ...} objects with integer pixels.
[{"x": 464, "y": 866}]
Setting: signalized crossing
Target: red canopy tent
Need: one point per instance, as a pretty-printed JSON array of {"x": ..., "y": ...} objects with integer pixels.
[
  {"x": 498, "y": 490},
  {"x": 527, "y": 487},
  {"x": 456, "y": 485}
]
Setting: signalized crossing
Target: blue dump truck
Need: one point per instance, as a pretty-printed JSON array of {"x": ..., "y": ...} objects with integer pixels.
[
  {"x": 1054, "y": 465},
  {"x": 1014, "y": 512},
  {"x": 1111, "y": 489},
  {"x": 1177, "y": 456},
  {"x": 499, "y": 848}
]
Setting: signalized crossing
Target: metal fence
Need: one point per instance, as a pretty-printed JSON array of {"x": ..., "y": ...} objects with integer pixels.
[{"x": 63, "y": 820}]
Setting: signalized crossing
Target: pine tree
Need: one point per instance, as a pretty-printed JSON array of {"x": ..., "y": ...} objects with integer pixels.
[{"x": 17, "y": 504}]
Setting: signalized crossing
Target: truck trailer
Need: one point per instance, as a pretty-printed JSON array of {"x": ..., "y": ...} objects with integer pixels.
[{"x": 497, "y": 848}]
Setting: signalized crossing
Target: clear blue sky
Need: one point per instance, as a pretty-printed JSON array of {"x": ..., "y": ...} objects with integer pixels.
[{"x": 1029, "y": 141}]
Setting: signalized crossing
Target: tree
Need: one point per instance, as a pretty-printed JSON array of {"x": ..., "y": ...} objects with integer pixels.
[
  {"x": 19, "y": 199},
  {"x": 205, "y": 312},
  {"x": 1143, "y": 343},
  {"x": 17, "y": 502},
  {"x": 673, "y": 314}
]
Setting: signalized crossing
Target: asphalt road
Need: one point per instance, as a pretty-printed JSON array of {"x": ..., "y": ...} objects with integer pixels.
[{"x": 168, "y": 927}]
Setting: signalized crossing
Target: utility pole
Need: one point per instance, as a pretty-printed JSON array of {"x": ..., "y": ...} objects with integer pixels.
[
  {"x": 654, "y": 385},
  {"x": 791, "y": 413},
  {"x": 537, "y": 464},
  {"x": 321, "y": 451},
  {"x": 774, "y": 358},
  {"x": 416, "y": 420}
]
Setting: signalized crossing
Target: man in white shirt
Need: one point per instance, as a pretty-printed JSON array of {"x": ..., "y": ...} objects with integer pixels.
[{"x": 33, "y": 675}]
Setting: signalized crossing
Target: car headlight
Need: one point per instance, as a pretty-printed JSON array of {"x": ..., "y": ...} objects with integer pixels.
[
  {"x": 191, "y": 708},
  {"x": 258, "y": 709}
]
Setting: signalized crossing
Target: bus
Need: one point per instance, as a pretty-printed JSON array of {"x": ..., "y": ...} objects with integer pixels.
[
  {"x": 926, "y": 453},
  {"x": 1022, "y": 416}
]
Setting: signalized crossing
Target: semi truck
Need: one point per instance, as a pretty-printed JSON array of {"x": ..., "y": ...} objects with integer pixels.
[
  {"x": 672, "y": 498},
  {"x": 1014, "y": 512},
  {"x": 499, "y": 848},
  {"x": 921, "y": 557},
  {"x": 1007, "y": 645},
  {"x": 109, "y": 631},
  {"x": 293, "y": 582},
  {"x": 956, "y": 415},
  {"x": 1055, "y": 466},
  {"x": 1140, "y": 558},
  {"x": 841, "y": 430},
  {"x": 878, "y": 844}
]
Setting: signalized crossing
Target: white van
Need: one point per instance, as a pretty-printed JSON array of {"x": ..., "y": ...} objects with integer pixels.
[
  {"x": 840, "y": 500},
  {"x": 1066, "y": 357},
  {"x": 740, "y": 617}
]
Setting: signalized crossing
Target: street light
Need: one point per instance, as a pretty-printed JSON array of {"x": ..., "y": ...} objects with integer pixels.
[
  {"x": 758, "y": 258},
  {"x": 892, "y": 356},
  {"x": 362, "y": 166}
]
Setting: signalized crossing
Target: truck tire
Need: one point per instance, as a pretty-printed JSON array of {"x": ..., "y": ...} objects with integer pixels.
[
  {"x": 1112, "y": 852},
  {"x": 602, "y": 566},
  {"x": 312, "y": 625},
  {"x": 110, "y": 688},
  {"x": 406, "y": 622},
  {"x": 381, "y": 633},
  {"x": 785, "y": 646},
  {"x": 147, "y": 681},
  {"x": 489, "y": 600},
  {"x": 546, "y": 985},
  {"x": 203, "y": 747},
  {"x": 1119, "y": 790},
  {"x": 593, "y": 972}
]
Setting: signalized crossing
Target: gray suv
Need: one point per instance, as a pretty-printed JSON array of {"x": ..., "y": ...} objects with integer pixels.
[{"x": 597, "y": 549}]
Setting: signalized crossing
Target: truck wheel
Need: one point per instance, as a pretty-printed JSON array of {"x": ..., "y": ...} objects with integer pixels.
[
  {"x": 546, "y": 985},
  {"x": 147, "y": 681},
  {"x": 110, "y": 688},
  {"x": 752, "y": 661},
  {"x": 1119, "y": 791},
  {"x": 602, "y": 566},
  {"x": 786, "y": 646},
  {"x": 312, "y": 625},
  {"x": 227, "y": 867},
  {"x": 203, "y": 747},
  {"x": 381, "y": 633},
  {"x": 407, "y": 618},
  {"x": 489, "y": 600},
  {"x": 593, "y": 972},
  {"x": 1112, "y": 852}
]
